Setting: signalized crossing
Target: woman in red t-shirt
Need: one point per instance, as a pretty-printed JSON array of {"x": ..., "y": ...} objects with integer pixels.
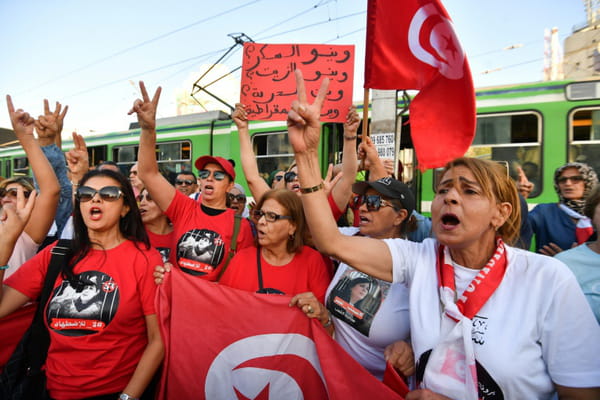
[
  {"x": 104, "y": 335},
  {"x": 281, "y": 263}
]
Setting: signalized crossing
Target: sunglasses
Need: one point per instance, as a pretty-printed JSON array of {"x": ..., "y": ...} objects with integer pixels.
[
  {"x": 270, "y": 216},
  {"x": 218, "y": 175},
  {"x": 278, "y": 177},
  {"x": 269, "y": 291},
  {"x": 237, "y": 197},
  {"x": 290, "y": 176},
  {"x": 141, "y": 197},
  {"x": 574, "y": 179},
  {"x": 12, "y": 192},
  {"x": 107, "y": 193},
  {"x": 183, "y": 182},
  {"x": 374, "y": 202}
]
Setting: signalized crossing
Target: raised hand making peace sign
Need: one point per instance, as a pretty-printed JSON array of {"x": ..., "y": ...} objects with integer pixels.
[
  {"x": 303, "y": 120},
  {"x": 146, "y": 108}
]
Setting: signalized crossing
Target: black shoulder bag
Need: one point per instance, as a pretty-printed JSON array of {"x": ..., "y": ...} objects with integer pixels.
[{"x": 22, "y": 377}]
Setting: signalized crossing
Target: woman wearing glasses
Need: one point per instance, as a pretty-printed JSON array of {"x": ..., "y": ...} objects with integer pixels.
[
  {"x": 115, "y": 347},
  {"x": 487, "y": 320},
  {"x": 370, "y": 316},
  {"x": 281, "y": 262},
  {"x": 191, "y": 221},
  {"x": 560, "y": 226},
  {"x": 158, "y": 226}
]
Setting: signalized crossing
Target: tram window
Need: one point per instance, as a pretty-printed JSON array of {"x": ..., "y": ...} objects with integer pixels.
[
  {"x": 97, "y": 154},
  {"x": 513, "y": 138},
  {"x": 20, "y": 166},
  {"x": 7, "y": 169},
  {"x": 273, "y": 151},
  {"x": 584, "y": 136},
  {"x": 125, "y": 154}
]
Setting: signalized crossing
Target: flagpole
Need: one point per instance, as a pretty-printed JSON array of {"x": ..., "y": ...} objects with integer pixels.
[{"x": 365, "y": 121}]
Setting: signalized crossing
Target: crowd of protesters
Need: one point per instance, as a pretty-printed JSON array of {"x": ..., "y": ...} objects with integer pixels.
[{"x": 431, "y": 296}]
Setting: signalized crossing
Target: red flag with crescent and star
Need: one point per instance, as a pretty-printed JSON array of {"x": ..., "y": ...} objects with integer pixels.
[
  {"x": 411, "y": 45},
  {"x": 223, "y": 343}
]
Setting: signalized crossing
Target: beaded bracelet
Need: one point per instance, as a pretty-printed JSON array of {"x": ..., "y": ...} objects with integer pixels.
[
  {"x": 350, "y": 137},
  {"x": 312, "y": 189},
  {"x": 3, "y": 267}
]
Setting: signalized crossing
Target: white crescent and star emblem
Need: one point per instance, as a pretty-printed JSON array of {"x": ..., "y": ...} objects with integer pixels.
[
  {"x": 278, "y": 366},
  {"x": 431, "y": 39}
]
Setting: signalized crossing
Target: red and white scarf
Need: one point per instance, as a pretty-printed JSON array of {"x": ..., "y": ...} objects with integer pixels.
[
  {"x": 451, "y": 368},
  {"x": 583, "y": 227}
]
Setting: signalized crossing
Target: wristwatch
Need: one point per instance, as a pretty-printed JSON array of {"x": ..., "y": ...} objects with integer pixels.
[{"x": 125, "y": 396}]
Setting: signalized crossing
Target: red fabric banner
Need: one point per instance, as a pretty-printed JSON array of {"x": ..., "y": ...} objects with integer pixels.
[
  {"x": 268, "y": 84},
  {"x": 223, "y": 343},
  {"x": 411, "y": 44}
]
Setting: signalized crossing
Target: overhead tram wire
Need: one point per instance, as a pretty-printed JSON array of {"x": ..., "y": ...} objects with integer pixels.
[
  {"x": 136, "y": 46},
  {"x": 321, "y": 3},
  {"x": 131, "y": 76}
]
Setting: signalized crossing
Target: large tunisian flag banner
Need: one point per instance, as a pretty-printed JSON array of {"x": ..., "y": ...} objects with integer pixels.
[
  {"x": 223, "y": 343},
  {"x": 411, "y": 44}
]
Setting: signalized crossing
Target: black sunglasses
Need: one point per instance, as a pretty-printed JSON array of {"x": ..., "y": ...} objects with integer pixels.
[
  {"x": 270, "y": 216},
  {"x": 12, "y": 192},
  {"x": 141, "y": 197},
  {"x": 218, "y": 175},
  {"x": 278, "y": 177},
  {"x": 239, "y": 197},
  {"x": 269, "y": 291},
  {"x": 184, "y": 182},
  {"x": 374, "y": 202},
  {"x": 107, "y": 193},
  {"x": 574, "y": 179},
  {"x": 290, "y": 176}
]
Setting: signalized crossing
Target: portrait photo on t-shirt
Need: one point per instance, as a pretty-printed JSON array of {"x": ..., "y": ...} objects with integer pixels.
[
  {"x": 199, "y": 251},
  {"x": 83, "y": 305},
  {"x": 356, "y": 298}
]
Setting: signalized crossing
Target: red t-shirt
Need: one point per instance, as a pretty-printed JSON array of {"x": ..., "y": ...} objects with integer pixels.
[
  {"x": 97, "y": 323},
  {"x": 165, "y": 244},
  {"x": 203, "y": 240},
  {"x": 306, "y": 272}
]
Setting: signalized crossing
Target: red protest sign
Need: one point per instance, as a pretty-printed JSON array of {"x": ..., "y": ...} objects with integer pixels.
[{"x": 268, "y": 83}]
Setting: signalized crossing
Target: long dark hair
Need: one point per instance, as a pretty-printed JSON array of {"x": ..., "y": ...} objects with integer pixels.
[{"x": 130, "y": 226}]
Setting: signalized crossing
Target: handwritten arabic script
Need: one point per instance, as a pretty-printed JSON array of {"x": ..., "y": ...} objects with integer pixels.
[{"x": 268, "y": 83}]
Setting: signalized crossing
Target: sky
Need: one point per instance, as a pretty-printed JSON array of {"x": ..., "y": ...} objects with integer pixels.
[{"x": 90, "y": 55}]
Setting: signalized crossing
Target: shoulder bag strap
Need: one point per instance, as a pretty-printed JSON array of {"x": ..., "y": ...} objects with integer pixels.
[
  {"x": 259, "y": 269},
  {"x": 237, "y": 221},
  {"x": 39, "y": 341}
]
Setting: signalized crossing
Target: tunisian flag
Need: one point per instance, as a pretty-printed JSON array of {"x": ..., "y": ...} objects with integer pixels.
[
  {"x": 411, "y": 44},
  {"x": 223, "y": 343}
]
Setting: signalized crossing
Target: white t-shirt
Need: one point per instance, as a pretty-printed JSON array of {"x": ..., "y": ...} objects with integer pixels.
[
  {"x": 386, "y": 317},
  {"x": 534, "y": 330},
  {"x": 25, "y": 248}
]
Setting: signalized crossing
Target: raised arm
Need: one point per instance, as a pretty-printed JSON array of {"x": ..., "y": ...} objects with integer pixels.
[
  {"x": 12, "y": 223},
  {"x": 373, "y": 163},
  {"x": 45, "y": 209},
  {"x": 256, "y": 184},
  {"x": 343, "y": 189},
  {"x": 160, "y": 189},
  {"x": 49, "y": 128},
  {"x": 368, "y": 255}
]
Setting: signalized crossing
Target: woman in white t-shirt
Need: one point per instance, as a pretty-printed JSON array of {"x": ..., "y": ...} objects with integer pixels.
[{"x": 487, "y": 320}]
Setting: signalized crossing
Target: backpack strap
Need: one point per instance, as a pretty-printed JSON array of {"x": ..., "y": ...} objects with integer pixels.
[
  {"x": 39, "y": 341},
  {"x": 237, "y": 221}
]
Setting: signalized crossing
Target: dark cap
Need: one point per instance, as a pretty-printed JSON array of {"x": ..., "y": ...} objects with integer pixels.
[
  {"x": 226, "y": 165},
  {"x": 390, "y": 188}
]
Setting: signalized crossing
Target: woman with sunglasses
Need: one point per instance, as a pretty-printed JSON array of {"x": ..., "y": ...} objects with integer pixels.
[
  {"x": 281, "y": 262},
  {"x": 159, "y": 228},
  {"x": 369, "y": 315},
  {"x": 116, "y": 349},
  {"x": 191, "y": 221},
  {"x": 560, "y": 226},
  {"x": 487, "y": 320}
]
